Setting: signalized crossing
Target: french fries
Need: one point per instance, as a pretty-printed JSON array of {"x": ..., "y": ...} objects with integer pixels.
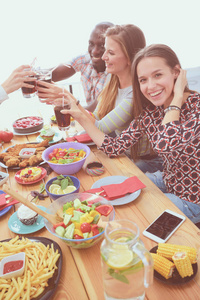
[{"x": 40, "y": 266}]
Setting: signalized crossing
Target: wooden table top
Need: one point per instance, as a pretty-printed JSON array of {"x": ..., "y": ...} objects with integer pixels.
[{"x": 81, "y": 276}]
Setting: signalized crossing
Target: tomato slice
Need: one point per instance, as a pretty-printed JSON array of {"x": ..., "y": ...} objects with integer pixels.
[{"x": 104, "y": 209}]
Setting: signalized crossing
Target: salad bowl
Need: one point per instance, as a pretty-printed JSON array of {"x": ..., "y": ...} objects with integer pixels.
[{"x": 92, "y": 204}]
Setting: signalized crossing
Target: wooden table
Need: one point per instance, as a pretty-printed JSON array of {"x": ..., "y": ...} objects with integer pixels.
[{"x": 81, "y": 271}]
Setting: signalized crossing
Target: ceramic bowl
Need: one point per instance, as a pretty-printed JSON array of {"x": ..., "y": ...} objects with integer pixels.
[
  {"x": 76, "y": 183},
  {"x": 12, "y": 258},
  {"x": 66, "y": 169}
]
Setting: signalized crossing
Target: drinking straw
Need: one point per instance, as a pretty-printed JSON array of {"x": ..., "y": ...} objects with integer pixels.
[
  {"x": 33, "y": 62},
  {"x": 63, "y": 97}
]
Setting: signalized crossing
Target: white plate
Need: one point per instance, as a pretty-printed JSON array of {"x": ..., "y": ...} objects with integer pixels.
[
  {"x": 29, "y": 133},
  {"x": 88, "y": 144},
  {"x": 113, "y": 180},
  {"x": 57, "y": 137},
  {"x": 5, "y": 177}
]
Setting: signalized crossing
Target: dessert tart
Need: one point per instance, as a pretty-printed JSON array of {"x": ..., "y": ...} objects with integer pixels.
[
  {"x": 28, "y": 124},
  {"x": 26, "y": 215},
  {"x": 30, "y": 174}
]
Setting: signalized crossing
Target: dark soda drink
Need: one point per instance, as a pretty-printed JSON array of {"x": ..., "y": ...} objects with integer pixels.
[
  {"x": 45, "y": 78},
  {"x": 63, "y": 121},
  {"x": 29, "y": 92}
]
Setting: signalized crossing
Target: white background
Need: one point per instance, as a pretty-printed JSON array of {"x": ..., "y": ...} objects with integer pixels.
[{"x": 57, "y": 30}]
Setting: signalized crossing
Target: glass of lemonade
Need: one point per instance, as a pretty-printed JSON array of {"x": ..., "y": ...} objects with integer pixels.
[{"x": 126, "y": 265}]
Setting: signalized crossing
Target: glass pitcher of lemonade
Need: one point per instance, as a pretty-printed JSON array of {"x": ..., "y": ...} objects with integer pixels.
[{"x": 126, "y": 265}]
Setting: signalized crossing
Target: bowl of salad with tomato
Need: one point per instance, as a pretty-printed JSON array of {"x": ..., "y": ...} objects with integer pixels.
[
  {"x": 83, "y": 215},
  {"x": 66, "y": 158}
]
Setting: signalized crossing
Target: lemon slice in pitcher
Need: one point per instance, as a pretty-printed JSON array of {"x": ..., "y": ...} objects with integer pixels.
[{"x": 120, "y": 259}]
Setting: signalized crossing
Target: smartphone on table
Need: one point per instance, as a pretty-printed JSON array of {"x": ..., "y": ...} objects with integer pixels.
[{"x": 164, "y": 226}]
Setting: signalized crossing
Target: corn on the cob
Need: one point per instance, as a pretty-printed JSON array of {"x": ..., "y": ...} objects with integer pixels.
[
  {"x": 168, "y": 250},
  {"x": 163, "y": 266},
  {"x": 183, "y": 264}
]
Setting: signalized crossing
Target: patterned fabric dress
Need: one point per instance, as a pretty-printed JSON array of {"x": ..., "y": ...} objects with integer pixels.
[{"x": 177, "y": 142}]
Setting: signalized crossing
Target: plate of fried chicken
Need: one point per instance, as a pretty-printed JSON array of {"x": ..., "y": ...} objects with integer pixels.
[{"x": 10, "y": 157}]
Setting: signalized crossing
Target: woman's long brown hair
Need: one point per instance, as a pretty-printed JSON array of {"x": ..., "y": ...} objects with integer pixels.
[{"x": 131, "y": 40}]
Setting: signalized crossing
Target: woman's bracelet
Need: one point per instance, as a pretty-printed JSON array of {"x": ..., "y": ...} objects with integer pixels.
[{"x": 172, "y": 107}]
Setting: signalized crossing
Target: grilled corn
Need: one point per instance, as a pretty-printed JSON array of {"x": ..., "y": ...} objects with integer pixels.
[
  {"x": 183, "y": 264},
  {"x": 168, "y": 250},
  {"x": 163, "y": 266}
]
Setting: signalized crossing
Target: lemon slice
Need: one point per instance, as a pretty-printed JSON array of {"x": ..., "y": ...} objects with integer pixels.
[
  {"x": 120, "y": 259},
  {"x": 52, "y": 186},
  {"x": 55, "y": 191},
  {"x": 69, "y": 189},
  {"x": 59, "y": 191}
]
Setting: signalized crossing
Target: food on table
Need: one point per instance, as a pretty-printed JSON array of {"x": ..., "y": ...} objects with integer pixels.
[
  {"x": 170, "y": 257},
  {"x": 27, "y": 152},
  {"x": 30, "y": 174},
  {"x": 62, "y": 185},
  {"x": 66, "y": 156},
  {"x": 183, "y": 264},
  {"x": 163, "y": 265},
  {"x": 47, "y": 133},
  {"x": 53, "y": 119},
  {"x": 28, "y": 124},
  {"x": 80, "y": 220},
  {"x": 11, "y": 157},
  {"x": 40, "y": 266},
  {"x": 26, "y": 215},
  {"x": 168, "y": 250},
  {"x": 6, "y": 136},
  {"x": 12, "y": 266}
]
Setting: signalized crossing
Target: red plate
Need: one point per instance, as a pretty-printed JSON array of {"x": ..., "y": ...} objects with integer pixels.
[{"x": 19, "y": 180}]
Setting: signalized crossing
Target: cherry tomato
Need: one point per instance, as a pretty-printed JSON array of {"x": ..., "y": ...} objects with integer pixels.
[
  {"x": 51, "y": 155},
  {"x": 77, "y": 237},
  {"x": 85, "y": 227},
  {"x": 59, "y": 224},
  {"x": 61, "y": 153},
  {"x": 6, "y": 136}
]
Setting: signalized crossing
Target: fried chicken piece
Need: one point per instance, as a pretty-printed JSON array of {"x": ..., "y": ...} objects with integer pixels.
[
  {"x": 3, "y": 155},
  {"x": 13, "y": 162},
  {"x": 7, "y": 157},
  {"x": 35, "y": 160},
  {"x": 42, "y": 144},
  {"x": 39, "y": 149},
  {"x": 24, "y": 163}
]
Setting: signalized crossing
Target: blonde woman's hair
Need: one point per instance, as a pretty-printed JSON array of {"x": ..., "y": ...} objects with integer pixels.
[{"x": 131, "y": 40}]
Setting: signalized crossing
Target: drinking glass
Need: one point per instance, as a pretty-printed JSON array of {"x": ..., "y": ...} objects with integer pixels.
[
  {"x": 63, "y": 121},
  {"x": 126, "y": 265},
  {"x": 28, "y": 92},
  {"x": 43, "y": 75}
]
